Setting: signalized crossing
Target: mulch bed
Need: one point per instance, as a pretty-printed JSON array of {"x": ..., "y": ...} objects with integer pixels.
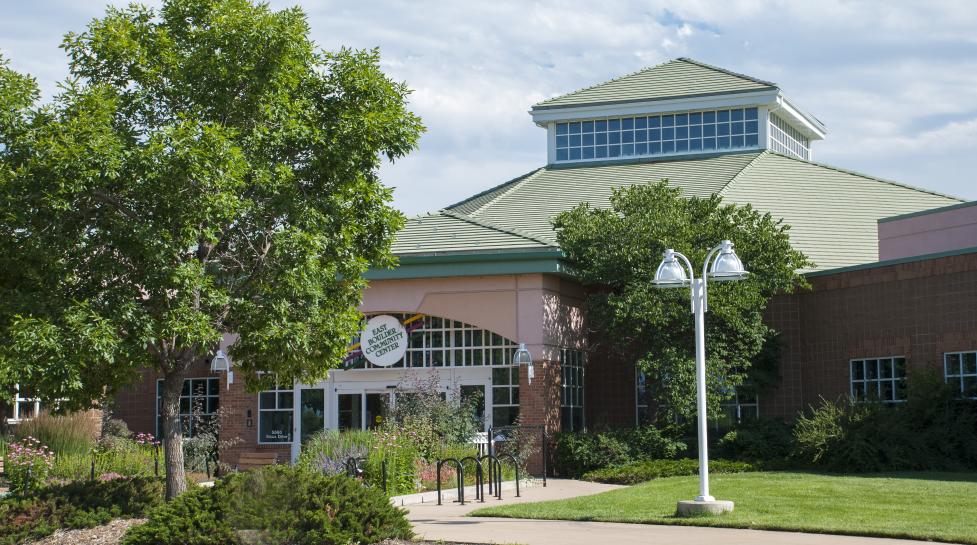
[
  {"x": 402, "y": 542},
  {"x": 109, "y": 534}
]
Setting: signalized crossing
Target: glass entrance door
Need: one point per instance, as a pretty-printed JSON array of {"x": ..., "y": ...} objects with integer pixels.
[
  {"x": 476, "y": 395},
  {"x": 362, "y": 410},
  {"x": 375, "y": 408},
  {"x": 313, "y": 415}
]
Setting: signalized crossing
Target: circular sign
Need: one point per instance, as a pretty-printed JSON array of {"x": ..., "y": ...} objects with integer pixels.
[{"x": 383, "y": 341}]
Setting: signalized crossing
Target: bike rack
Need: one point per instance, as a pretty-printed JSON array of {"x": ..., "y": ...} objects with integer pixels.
[
  {"x": 461, "y": 478},
  {"x": 515, "y": 465},
  {"x": 494, "y": 475},
  {"x": 353, "y": 467},
  {"x": 479, "y": 478}
]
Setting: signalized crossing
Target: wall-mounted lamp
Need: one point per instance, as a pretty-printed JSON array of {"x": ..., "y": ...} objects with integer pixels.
[
  {"x": 523, "y": 357},
  {"x": 222, "y": 364}
]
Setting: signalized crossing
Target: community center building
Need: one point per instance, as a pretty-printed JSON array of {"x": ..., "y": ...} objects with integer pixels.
[{"x": 483, "y": 276}]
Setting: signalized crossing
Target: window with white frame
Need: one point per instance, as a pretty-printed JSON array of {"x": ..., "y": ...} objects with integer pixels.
[
  {"x": 25, "y": 405},
  {"x": 199, "y": 402},
  {"x": 960, "y": 368},
  {"x": 440, "y": 342},
  {"x": 742, "y": 405},
  {"x": 652, "y": 135},
  {"x": 572, "y": 364},
  {"x": 787, "y": 140},
  {"x": 880, "y": 379},
  {"x": 275, "y": 409},
  {"x": 505, "y": 395}
]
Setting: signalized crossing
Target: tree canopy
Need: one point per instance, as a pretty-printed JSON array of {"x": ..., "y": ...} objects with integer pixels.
[
  {"x": 205, "y": 169},
  {"x": 615, "y": 252}
]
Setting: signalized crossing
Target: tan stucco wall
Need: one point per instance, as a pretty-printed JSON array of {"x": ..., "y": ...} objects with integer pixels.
[{"x": 543, "y": 311}]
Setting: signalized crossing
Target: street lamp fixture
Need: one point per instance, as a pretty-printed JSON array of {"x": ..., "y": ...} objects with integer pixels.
[
  {"x": 721, "y": 265},
  {"x": 523, "y": 357},
  {"x": 220, "y": 363}
]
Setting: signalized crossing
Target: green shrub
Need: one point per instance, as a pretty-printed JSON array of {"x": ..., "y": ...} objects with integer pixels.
[
  {"x": 649, "y": 442},
  {"x": 327, "y": 452},
  {"x": 580, "y": 452},
  {"x": 577, "y": 453},
  {"x": 933, "y": 430},
  {"x": 768, "y": 439},
  {"x": 429, "y": 419},
  {"x": 277, "y": 504},
  {"x": 400, "y": 453},
  {"x": 194, "y": 518},
  {"x": 81, "y": 504},
  {"x": 638, "y": 472}
]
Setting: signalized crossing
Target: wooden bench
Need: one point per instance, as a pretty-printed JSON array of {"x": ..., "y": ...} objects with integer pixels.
[{"x": 251, "y": 460}]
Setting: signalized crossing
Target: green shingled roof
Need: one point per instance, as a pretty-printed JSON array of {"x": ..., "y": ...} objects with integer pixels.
[
  {"x": 451, "y": 232},
  {"x": 681, "y": 77},
  {"x": 832, "y": 212}
]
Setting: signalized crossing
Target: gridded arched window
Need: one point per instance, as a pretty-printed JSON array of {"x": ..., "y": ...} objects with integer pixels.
[{"x": 440, "y": 342}]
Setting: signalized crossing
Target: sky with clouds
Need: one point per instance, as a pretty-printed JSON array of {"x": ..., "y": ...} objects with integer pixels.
[{"x": 894, "y": 82}]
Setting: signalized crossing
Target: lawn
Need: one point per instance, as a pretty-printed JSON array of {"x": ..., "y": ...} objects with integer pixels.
[{"x": 932, "y": 506}]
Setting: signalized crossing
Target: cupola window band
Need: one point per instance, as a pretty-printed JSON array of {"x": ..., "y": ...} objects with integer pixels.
[{"x": 688, "y": 132}]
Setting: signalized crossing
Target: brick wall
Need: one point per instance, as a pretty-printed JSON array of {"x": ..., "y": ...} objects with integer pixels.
[
  {"x": 136, "y": 404},
  {"x": 609, "y": 395},
  {"x": 539, "y": 405},
  {"x": 237, "y": 403},
  {"x": 918, "y": 309}
]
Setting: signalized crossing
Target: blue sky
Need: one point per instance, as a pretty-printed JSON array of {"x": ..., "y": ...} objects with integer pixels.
[{"x": 894, "y": 82}]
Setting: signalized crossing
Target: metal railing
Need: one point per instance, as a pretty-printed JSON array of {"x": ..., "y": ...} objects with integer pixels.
[{"x": 504, "y": 435}]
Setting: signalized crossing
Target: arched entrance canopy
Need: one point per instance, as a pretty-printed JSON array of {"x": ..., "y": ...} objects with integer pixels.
[{"x": 441, "y": 342}]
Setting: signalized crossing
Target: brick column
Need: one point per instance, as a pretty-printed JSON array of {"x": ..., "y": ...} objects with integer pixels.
[{"x": 539, "y": 405}]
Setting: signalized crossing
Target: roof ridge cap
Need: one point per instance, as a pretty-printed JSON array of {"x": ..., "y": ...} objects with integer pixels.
[
  {"x": 728, "y": 72},
  {"x": 867, "y": 176},
  {"x": 514, "y": 181},
  {"x": 488, "y": 225},
  {"x": 746, "y": 167},
  {"x": 647, "y": 68},
  {"x": 612, "y": 80}
]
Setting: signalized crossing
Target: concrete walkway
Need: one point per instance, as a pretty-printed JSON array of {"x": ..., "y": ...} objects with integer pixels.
[{"x": 449, "y": 523}]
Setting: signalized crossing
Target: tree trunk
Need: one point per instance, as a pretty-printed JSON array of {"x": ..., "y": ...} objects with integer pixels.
[{"x": 176, "y": 481}]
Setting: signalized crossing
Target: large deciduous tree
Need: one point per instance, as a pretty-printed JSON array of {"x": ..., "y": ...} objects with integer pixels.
[
  {"x": 206, "y": 169},
  {"x": 615, "y": 251}
]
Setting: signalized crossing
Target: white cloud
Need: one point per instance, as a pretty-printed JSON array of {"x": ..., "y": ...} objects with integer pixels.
[{"x": 894, "y": 81}]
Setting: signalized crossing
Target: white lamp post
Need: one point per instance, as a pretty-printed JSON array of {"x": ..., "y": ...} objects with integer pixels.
[{"x": 671, "y": 273}]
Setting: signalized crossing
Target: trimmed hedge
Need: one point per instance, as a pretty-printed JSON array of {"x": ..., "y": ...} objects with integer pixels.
[
  {"x": 579, "y": 452},
  {"x": 277, "y": 504},
  {"x": 765, "y": 439},
  {"x": 647, "y": 470},
  {"x": 79, "y": 504}
]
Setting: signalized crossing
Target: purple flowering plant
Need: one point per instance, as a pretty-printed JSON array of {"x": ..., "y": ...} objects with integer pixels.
[{"x": 28, "y": 464}]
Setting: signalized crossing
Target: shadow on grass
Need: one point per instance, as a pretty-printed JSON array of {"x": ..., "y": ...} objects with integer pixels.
[{"x": 947, "y": 476}]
